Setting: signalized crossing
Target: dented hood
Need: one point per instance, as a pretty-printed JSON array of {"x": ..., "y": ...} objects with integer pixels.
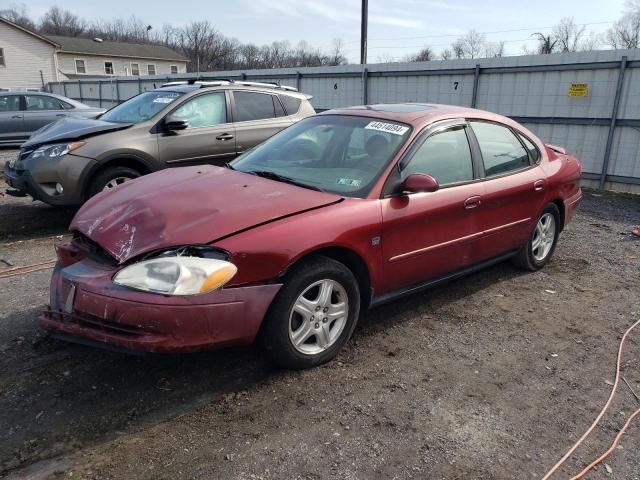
[
  {"x": 190, "y": 205},
  {"x": 71, "y": 128}
]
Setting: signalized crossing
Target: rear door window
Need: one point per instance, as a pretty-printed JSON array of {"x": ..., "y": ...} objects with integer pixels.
[
  {"x": 252, "y": 106},
  {"x": 502, "y": 153},
  {"x": 445, "y": 156},
  {"x": 40, "y": 102}
]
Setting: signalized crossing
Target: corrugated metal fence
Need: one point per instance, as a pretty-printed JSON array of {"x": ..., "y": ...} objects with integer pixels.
[{"x": 602, "y": 127}]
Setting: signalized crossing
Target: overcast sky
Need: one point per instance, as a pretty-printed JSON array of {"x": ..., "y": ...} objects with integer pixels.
[{"x": 396, "y": 27}]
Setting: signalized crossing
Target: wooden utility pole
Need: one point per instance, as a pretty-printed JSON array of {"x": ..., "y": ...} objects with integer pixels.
[{"x": 363, "y": 32}]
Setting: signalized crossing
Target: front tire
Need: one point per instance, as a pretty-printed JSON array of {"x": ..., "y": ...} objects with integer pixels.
[
  {"x": 110, "y": 178},
  {"x": 542, "y": 241},
  {"x": 313, "y": 315}
]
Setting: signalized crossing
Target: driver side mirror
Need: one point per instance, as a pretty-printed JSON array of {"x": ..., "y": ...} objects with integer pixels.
[
  {"x": 174, "y": 123},
  {"x": 420, "y": 182}
]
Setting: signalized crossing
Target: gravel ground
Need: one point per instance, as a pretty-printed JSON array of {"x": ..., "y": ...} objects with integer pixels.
[{"x": 492, "y": 376}]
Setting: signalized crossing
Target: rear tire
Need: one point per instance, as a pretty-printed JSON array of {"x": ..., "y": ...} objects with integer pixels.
[
  {"x": 542, "y": 242},
  {"x": 111, "y": 177},
  {"x": 313, "y": 315}
]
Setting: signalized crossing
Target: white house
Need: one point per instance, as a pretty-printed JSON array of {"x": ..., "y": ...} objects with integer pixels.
[{"x": 29, "y": 60}]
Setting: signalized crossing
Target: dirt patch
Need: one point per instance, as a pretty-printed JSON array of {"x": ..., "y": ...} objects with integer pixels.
[{"x": 492, "y": 376}]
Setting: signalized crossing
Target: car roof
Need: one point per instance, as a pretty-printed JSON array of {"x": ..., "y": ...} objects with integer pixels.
[{"x": 416, "y": 114}]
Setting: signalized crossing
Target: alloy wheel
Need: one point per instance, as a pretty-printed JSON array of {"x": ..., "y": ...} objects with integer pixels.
[
  {"x": 318, "y": 317},
  {"x": 543, "y": 237},
  {"x": 114, "y": 182}
]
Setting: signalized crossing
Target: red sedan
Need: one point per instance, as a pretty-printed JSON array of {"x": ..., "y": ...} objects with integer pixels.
[{"x": 338, "y": 213}]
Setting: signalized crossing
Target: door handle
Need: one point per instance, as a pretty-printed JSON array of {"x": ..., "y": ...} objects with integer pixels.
[
  {"x": 539, "y": 185},
  {"x": 16, "y": 116},
  {"x": 224, "y": 136},
  {"x": 60, "y": 115},
  {"x": 472, "y": 202}
]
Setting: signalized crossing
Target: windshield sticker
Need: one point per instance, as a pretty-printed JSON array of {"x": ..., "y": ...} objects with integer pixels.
[
  {"x": 387, "y": 127},
  {"x": 163, "y": 99},
  {"x": 350, "y": 182}
]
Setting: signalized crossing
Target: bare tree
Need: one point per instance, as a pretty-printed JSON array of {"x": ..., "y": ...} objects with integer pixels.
[
  {"x": 446, "y": 54},
  {"x": 425, "y": 54},
  {"x": 197, "y": 41},
  {"x": 625, "y": 33},
  {"x": 62, "y": 22},
  {"x": 18, "y": 15},
  {"x": 591, "y": 42},
  {"x": 494, "y": 49},
  {"x": 473, "y": 43},
  {"x": 546, "y": 43},
  {"x": 457, "y": 48},
  {"x": 336, "y": 54},
  {"x": 469, "y": 46},
  {"x": 568, "y": 35},
  {"x": 386, "y": 58}
]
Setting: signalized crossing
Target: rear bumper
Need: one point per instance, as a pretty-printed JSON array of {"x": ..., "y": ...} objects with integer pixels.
[
  {"x": 570, "y": 206},
  {"x": 87, "y": 307}
]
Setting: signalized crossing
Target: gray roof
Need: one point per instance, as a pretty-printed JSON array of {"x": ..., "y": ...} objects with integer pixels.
[{"x": 89, "y": 46}]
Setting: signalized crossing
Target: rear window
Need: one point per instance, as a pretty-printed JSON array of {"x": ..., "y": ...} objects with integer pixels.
[
  {"x": 291, "y": 104},
  {"x": 533, "y": 151},
  {"x": 252, "y": 106}
]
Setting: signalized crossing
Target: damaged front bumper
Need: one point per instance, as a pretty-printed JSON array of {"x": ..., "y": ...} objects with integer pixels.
[{"x": 86, "y": 306}]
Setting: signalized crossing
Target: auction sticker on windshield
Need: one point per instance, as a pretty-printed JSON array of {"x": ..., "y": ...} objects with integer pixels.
[
  {"x": 387, "y": 127},
  {"x": 351, "y": 182},
  {"x": 164, "y": 99}
]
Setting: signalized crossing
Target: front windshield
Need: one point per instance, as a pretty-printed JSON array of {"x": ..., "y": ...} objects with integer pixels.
[
  {"x": 333, "y": 153},
  {"x": 141, "y": 107}
]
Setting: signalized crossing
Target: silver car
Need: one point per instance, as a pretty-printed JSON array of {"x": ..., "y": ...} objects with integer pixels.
[{"x": 22, "y": 113}]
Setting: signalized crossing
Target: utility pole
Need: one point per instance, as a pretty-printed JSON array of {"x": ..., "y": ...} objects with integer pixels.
[{"x": 363, "y": 32}]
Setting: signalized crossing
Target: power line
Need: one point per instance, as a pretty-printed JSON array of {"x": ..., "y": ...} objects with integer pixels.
[
  {"x": 481, "y": 33},
  {"x": 447, "y": 44}
]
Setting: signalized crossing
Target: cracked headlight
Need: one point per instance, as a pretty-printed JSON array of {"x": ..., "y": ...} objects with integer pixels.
[
  {"x": 177, "y": 275},
  {"x": 56, "y": 150}
]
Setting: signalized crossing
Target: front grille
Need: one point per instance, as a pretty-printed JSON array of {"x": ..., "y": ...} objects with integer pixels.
[
  {"x": 93, "y": 323},
  {"x": 92, "y": 250}
]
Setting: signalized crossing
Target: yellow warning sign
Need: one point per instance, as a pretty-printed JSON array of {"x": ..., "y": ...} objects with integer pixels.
[{"x": 578, "y": 90}]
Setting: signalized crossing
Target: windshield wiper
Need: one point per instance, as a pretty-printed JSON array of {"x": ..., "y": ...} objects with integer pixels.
[{"x": 281, "y": 178}]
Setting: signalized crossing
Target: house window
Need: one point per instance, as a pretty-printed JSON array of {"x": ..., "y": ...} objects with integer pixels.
[
  {"x": 2, "y": 64},
  {"x": 174, "y": 69},
  {"x": 151, "y": 69},
  {"x": 135, "y": 69},
  {"x": 80, "y": 66},
  {"x": 108, "y": 68}
]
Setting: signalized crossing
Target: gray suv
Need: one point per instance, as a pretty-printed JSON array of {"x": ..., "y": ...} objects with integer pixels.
[{"x": 182, "y": 123}]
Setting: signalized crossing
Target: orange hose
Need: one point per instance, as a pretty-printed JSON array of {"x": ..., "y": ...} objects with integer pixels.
[
  {"x": 22, "y": 267},
  {"x": 611, "y": 448},
  {"x": 600, "y": 415},
  {"x": 24, "y": 272}
]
